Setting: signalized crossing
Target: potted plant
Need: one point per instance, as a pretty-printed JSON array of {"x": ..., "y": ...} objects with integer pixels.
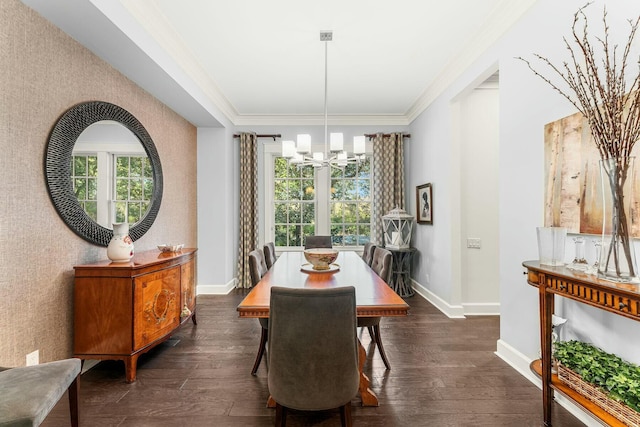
[
  {"x": 594, "y": 80},
  {"x": 618, "y": 379}
]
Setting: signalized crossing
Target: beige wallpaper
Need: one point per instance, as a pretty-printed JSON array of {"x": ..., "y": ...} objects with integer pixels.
[{"x": 43, "y": 72}]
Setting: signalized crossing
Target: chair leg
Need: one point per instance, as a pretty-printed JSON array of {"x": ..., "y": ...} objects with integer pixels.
[
  {"x": 345, "y": 415},
  {"x": 281, "y": 415},
  {"x": 74, "y": 391},
  {"x": 378, "y": 340},
  {"x": 371, "y": 333},
  {"x": 263, "y": 344}
]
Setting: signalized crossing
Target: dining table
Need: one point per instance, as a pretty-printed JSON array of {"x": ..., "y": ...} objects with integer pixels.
[{"x": 374, "y": 297}]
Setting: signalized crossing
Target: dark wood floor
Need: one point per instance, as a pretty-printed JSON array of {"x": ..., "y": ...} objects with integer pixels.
[{"x": 444, "y": 373}]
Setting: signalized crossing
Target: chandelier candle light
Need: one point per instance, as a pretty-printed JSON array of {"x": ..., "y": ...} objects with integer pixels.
[{"x": 298, "y": 152}]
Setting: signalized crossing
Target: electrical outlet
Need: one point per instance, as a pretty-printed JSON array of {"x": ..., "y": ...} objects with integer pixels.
[
  {"x": 33, "y": 358},
  {"x": 473, "y": 243},
  {"x": 427, "y": 278}
]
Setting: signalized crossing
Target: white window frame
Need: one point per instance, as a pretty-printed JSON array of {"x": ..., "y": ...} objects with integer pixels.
[
  {"x": 106, "y": 174},
  {"x": 323, "y": 206}
]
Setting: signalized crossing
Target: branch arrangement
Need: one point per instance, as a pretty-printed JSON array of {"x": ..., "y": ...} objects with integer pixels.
[{"x": 599, "y": 88}]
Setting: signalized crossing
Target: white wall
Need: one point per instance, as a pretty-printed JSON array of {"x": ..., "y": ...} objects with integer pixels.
[
  {"x": 526, "y": 105},
  {"x": 479, "y": 199},
  {"x": 218, "y": 178}
]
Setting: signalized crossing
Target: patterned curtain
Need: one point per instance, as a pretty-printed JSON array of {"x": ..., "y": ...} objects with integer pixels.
[
  {"x": 248, "y": 239},
  {"x": 388, "y": 179}
]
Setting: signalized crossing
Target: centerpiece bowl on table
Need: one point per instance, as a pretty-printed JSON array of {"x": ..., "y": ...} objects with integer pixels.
[{"x": 321, "y": 258}]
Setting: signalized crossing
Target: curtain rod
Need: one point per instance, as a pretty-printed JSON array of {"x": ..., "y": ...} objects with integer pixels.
[
  {"x": 373, "y": 135},
  {"x": 274, "y": 136}
]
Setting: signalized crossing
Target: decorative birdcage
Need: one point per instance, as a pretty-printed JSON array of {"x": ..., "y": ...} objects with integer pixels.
[{"x": 397, "y": 226}]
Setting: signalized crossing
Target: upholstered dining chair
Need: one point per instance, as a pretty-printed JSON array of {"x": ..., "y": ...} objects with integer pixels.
[
  {"x": 311, "y": 242},
  {"x": 29, "y": 393},
  {"x": 313, "y": 350},
  {"x": 269, "y": 250},
  {"x": 381, "y": 263},
  {"x": 258, "y": 268},
  {"x": 367, "y": 253}
]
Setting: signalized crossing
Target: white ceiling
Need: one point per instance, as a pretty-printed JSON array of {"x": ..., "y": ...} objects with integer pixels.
[{"x": 259, "y": 62}]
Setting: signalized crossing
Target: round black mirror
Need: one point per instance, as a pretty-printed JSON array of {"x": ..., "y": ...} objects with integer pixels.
[{"x": 59, "y": 164}]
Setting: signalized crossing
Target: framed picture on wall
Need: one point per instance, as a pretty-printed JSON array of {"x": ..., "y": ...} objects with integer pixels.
[{"x": 424, "y": 204}]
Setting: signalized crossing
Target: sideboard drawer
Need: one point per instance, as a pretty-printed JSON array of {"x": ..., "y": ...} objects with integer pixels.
[{"x": 594, "y": 296}]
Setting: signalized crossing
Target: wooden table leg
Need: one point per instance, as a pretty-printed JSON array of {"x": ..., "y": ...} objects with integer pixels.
[
  {"x": 366, "y": 394},
  {"x": 546, "y": 312}
]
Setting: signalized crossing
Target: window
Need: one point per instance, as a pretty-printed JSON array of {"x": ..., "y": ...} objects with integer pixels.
[
  {"x": 133, "y": 189},
  {"x": 303, "y": 201},
  {"x": 84, "y": 176},
  {"x": 351, "y": 204},
  {"x": 112, "y": 175},
  {"x": 294, "y": 202},
  {"x": 112, "y": 188}
]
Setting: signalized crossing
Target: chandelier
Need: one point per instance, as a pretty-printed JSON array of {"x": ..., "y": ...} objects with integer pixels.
[{"x": 299, "y": 152}]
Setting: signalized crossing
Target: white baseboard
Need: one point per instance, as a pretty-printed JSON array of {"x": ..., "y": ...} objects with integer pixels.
[
  {"x": 216, "y": 289},
  {"x": 481, "y": 309},
  {"x": 451, "y": 311},
  {"x": 521, "y": 363}
]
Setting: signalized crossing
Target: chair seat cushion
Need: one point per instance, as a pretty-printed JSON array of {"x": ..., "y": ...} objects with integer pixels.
[{"x": 27, "y": 394}]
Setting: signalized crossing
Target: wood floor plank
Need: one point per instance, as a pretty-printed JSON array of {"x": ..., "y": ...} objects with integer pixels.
[{"x": 444, "y": 373}]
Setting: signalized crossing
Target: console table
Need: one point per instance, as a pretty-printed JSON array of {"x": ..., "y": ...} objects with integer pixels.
[
  {"x": 400, "y": 280},
  {"x": 122, "y": 310},
  {"x": 618, "y": 298}
]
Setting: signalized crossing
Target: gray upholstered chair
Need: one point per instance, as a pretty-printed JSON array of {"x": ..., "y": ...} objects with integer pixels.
[
  {"x": 311, "y": 242},
  {"x": 258, "y": 268},
  {"x": 313, "y": 350},
  {"x": 367, "y": 253},
  {"x": 269, "y": 250},
  {"x": 381, "y": 263},
  {"x": 29, "y": 393}
]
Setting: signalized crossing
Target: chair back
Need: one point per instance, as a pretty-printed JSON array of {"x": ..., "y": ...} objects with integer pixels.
[
  {"x": 269, "y": 254},
  {"x": 382, "y": 263},
  {"x": 313, "y": 350},
  {"x": 311, "y": 242},
  {"x": 257, "y": 266},
  {"x": 367, "y": 253}
]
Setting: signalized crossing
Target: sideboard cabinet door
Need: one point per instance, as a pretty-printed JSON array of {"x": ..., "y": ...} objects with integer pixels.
[{"x": 157, "y": 306}]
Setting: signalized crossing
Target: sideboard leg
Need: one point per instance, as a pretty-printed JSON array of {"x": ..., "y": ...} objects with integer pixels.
[{"x": 130, "y": 368}]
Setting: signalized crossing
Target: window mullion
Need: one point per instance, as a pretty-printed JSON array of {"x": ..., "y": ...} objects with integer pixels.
[{"x": 322, "y": 184}]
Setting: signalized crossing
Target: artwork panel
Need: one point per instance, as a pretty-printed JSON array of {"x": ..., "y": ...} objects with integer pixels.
[{"x": 573, "y": 195}]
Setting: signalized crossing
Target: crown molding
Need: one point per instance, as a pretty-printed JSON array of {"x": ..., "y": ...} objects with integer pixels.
[
  {"x": 503, "y": 16},
  {"x": 312, "y": 120}
]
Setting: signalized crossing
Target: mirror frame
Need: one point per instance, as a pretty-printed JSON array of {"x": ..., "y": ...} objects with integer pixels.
[{"x": 58, "y": 168}]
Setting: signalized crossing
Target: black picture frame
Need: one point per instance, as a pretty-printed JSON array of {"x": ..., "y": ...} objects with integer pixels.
[{"x": 424, "y": 204}]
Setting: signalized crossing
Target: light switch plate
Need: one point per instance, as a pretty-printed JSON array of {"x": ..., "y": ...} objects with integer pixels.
[{"x": 473, "y": 243}]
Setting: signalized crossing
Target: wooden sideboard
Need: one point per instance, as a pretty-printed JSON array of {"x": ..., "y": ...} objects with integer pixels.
[
  {"x": 122, "y": 310},
  {"x": 619, "y": 298}
]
